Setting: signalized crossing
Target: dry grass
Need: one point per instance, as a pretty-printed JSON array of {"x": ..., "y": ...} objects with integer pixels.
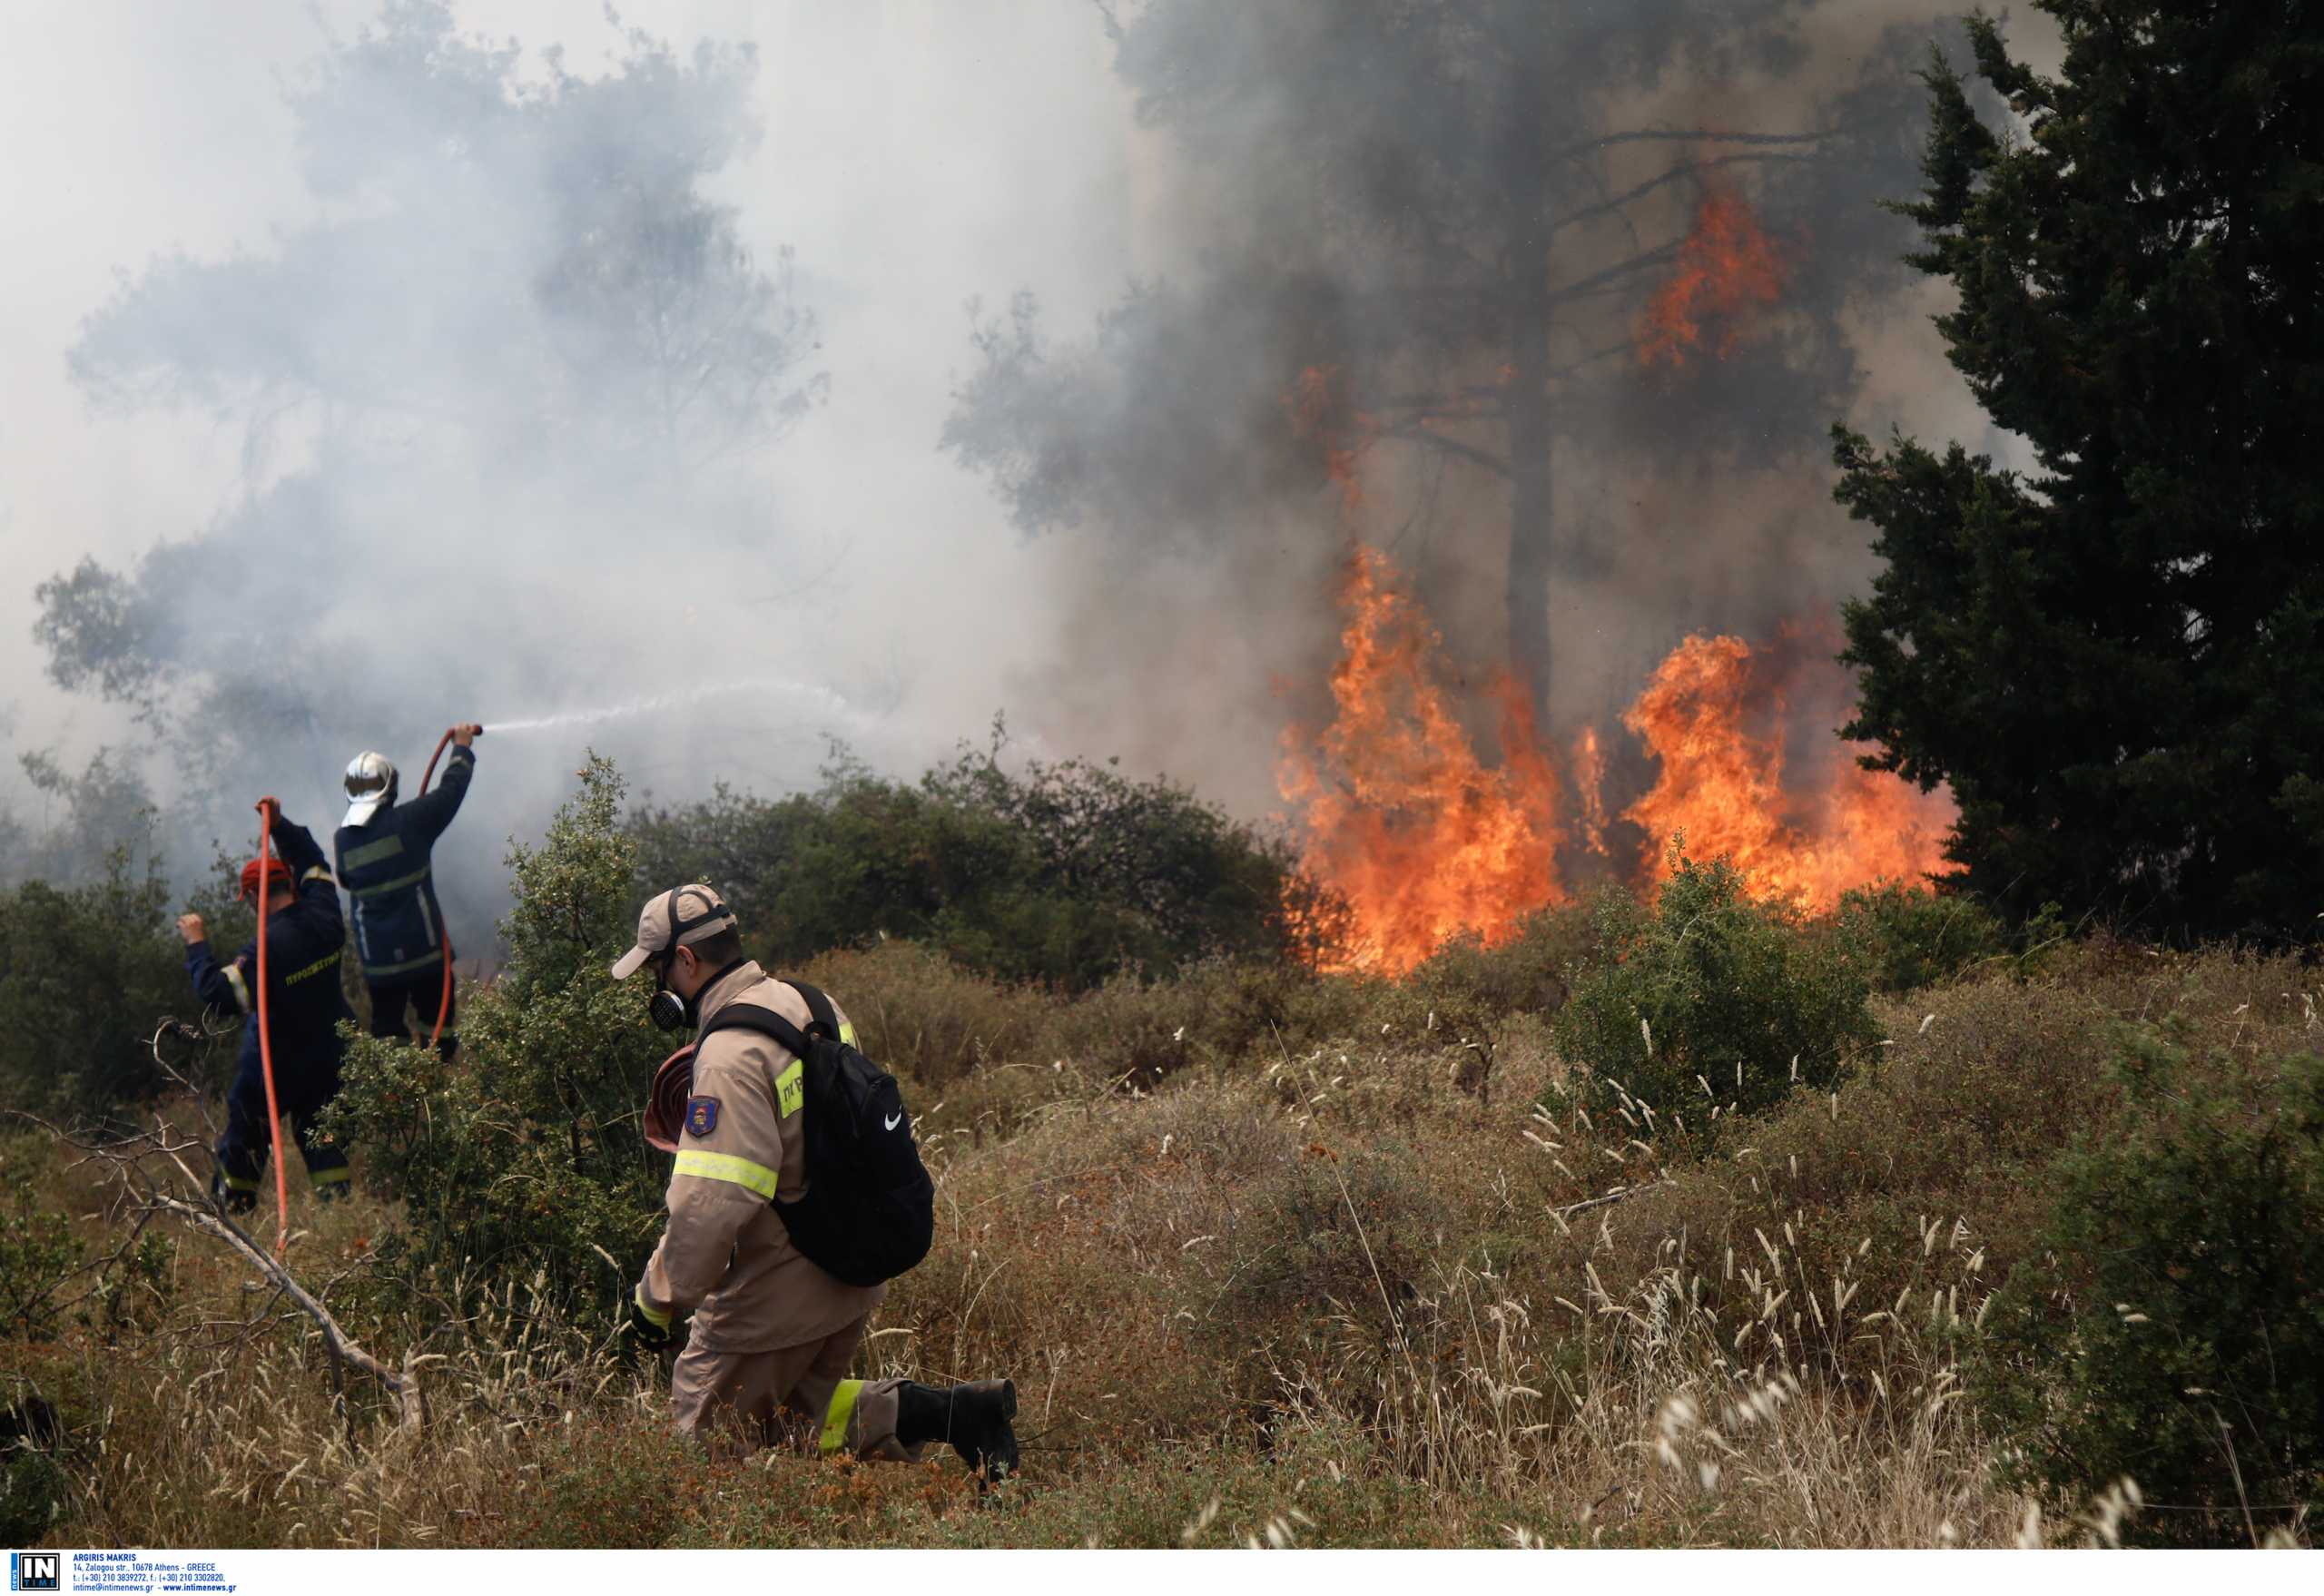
[{"x": 1336, "y": 1295}]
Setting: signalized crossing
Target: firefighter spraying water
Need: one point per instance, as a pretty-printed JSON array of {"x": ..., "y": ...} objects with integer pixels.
[{"x": 384, "y": 850}]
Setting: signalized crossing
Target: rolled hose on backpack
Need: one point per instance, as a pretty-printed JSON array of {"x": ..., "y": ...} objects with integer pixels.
[
  {"x": 443, "y": 1002},
  {"x": 666, "y": 1105}
]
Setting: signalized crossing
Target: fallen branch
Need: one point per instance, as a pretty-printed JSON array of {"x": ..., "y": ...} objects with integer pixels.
[
  {"x": 147, "y": 1196},
  {"x": 410, "y": 1402},
  {"x": 412, "y": 1405}
]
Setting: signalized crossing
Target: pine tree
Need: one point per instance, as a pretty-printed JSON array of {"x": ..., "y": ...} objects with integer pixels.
[{"x": 2116, "y": 658}]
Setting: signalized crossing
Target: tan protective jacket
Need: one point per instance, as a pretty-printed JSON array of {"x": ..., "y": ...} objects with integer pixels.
[{"x": 726, "y": 1254}]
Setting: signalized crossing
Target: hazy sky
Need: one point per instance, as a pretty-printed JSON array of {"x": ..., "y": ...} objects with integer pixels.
[{"x": 914, "y": 156}]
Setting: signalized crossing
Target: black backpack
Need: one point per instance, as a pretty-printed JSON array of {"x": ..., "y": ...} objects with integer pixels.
[{"x": 870, "y": 1210}]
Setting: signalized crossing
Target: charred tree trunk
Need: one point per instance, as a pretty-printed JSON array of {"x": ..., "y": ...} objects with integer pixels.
[
  {"x": 1531, "y": 522},
  {"x": 1531, "y": 512}
]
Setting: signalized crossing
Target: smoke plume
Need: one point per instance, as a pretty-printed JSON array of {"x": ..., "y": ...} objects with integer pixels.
[{"x": 600, "y": 368}]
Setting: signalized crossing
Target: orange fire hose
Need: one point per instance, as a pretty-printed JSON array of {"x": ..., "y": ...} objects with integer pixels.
[
  {"x": 267, "y": 809},
  {"x": 443, "y": 1003}
]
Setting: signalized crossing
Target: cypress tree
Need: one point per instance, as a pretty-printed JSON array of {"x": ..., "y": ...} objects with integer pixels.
[{"x": 2116, "y": 658}]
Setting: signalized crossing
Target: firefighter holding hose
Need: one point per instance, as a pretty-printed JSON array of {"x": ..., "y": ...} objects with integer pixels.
[
  {"x": 303, "y": 1006},
  {"x": 774, "y": 1331},
  {"x": 384, "y": 852}
]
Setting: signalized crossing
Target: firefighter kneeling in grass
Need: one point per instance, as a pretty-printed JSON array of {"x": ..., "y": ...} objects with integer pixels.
[
  {"x": 796, "y": 1195},
  {"x": 304, "y": 1005}
]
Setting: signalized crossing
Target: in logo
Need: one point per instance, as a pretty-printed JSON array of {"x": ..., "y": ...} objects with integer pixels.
[{"x": 36, "y": 1571}]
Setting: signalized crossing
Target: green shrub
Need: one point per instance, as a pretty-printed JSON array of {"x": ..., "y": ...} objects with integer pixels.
[
  {"x": 33, "y": 1493},
  {"x": 1066, "y": 874},
  {"x": 1710, "y": 985},
  {"x": 1129, "y": 1031},
  {"x": 1253, "y": 1011},
  {"x": 85, "y": 973},
  {"x": 1527, "y": 974},
  {"x": 527, "y": 1159},
  {"x": 2172, "y": 1329},
  {"x": 1917, "y": 938},
  {"x": 37, "y": 1247}
]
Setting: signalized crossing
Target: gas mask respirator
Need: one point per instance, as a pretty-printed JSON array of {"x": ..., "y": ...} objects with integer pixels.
[{"x": 665, "y": 1008}]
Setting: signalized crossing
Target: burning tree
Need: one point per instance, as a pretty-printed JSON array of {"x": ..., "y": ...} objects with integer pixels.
[
  {"x": 1512, "y": 231},
  {"x": 2113, "y": 658}
]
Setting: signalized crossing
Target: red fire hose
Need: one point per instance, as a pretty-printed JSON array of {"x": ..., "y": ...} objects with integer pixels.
[
  {"x": 267, "y": 809},
  {"x": 444, "y": 1003}
]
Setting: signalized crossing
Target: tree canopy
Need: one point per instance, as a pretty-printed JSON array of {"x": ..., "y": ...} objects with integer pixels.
[{"x": 2112, "y": 657}]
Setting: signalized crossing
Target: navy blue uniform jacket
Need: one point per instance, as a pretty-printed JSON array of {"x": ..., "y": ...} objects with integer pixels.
[
  {"x": 303, "y": 1002},
  {"x": 386, "y": 870}
]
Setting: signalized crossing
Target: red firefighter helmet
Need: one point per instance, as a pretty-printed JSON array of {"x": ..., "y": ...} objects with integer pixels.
[
  {"x": 277, "y": 874},
  {"x": 666, "y": 1105}
]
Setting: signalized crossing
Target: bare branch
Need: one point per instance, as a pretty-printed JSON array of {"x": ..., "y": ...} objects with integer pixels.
[
  {"x": 1698, "y": 135},
  {"x": 1416, "y": 433},
  {"x": 148, "y": 1198},
  {"x": 1614, "y": 202},
  {"x": 1614, "y": 273}
]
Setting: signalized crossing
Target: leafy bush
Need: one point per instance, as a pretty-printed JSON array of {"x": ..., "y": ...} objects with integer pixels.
[
  {"x": 84, "y": 975},
  {"x": 37, "y": 1246},
  {"x": 527, "y": 1160},
  {"x": 1526, "y": 974},
  {"x": 1917, "y": 938},
  {"x": 2173, "y": 1327},
  {"x": 1065, "y": 873},
  {"x": 1729, "y": 990},
  {"x": 34, "y": 1493}
]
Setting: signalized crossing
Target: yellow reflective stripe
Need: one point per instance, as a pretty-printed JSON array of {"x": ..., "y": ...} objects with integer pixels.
[
  {"x": 377, "y": 888},
  {"x": 241, "y": 988},
  {"x": 328, "y": 962},
  {"x": 315, "y": 872},
  {"x": 370, "y": 853},
  {"x": 741, "y": 1172},
  {"x": 847, "y": 1033},
  {"x": 236, "y": 1183},
  {"x": 376, "y": 970},
  {"x": 842, "y": 1409},
  {"x": 658, "y": 1320},
  {"x": 331, "y": 1176},
  {"x": 790, "y": 1090}
]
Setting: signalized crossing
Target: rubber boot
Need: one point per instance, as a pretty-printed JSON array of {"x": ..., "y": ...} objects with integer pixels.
[
  {"x": 233, "y": 1201},
  {"x": 973, "y": 1419}
]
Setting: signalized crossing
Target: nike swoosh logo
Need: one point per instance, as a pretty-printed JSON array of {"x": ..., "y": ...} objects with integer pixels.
[{"x": 891, "y": 1124}]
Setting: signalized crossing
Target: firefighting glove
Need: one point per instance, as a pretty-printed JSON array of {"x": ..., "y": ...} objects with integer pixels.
[{"x": 646, "y": 1328}]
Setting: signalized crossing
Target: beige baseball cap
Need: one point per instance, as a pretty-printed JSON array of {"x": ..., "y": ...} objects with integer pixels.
[{"x": 675, "y": 919}]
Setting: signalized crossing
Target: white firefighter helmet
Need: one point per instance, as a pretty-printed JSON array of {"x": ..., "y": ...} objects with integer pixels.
[{"x": 370, "y": 786}]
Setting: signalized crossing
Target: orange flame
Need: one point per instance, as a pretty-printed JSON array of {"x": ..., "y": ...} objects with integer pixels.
[
  {"x": 1713, "y": 714},
  {"x": 1402, "y": 820},
  {"x": 1727, "y": 266},
  {"x": 1590, "y": 777}
]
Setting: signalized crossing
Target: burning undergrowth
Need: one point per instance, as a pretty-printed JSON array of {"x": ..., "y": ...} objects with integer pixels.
[
  {"x": 1426, "y": 840},
  {"x": 1404, "y": 820}
]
